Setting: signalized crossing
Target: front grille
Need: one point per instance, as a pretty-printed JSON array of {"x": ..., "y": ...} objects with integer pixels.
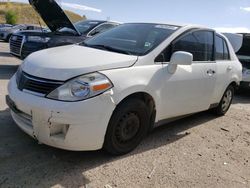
[
  {"x": 16, "y": 43},
  {"x": 35, "y": 85}
]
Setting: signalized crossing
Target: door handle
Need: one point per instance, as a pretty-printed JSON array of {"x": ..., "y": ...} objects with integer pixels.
[
  {"x": 211, "y": 72},
  {"x": 229, "y": 68}
]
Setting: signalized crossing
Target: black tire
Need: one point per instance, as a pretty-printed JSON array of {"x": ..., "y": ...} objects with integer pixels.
[
  {"x": 127, "y": 127},
  {"x": 224, "y": 105}
]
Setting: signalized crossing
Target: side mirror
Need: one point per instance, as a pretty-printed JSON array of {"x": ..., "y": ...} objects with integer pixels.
[
  {"x": 95, "y": 32},
  {"x": 179, "y": 58}
]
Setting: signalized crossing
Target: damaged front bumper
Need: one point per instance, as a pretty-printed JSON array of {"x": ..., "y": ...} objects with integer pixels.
[{"x": 74, "y": 126}]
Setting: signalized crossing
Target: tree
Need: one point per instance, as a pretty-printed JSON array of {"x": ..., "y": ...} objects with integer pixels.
[{"x": 11, "y": 17}]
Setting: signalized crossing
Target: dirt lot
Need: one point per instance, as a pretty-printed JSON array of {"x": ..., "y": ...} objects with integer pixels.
[{"x": 198, "y": 151}]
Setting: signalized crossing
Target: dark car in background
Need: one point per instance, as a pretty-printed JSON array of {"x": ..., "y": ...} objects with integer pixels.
[
  {"x": 7, "y": 32},
  {"x": 5, "y": 25},
  {"x": 62, "y": 30}
]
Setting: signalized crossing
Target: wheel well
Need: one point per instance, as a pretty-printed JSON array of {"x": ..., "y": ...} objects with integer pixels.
[
  {"x": 145, "y": 97},
  {"x": 234, "y": 84},
  {"x": 148, "y": 100}
]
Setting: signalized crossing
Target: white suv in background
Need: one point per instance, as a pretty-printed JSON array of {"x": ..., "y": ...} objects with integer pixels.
[{"x": 109, "y": 91}]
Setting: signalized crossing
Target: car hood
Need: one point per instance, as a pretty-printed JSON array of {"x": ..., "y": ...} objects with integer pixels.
[
  {"x": 52, "y": 14},
  {"x": 31, "y": 33},
  {"x": 63, "y": 63}
]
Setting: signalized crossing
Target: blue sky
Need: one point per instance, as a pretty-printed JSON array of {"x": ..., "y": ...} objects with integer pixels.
[{"x": 223, "y": 14}]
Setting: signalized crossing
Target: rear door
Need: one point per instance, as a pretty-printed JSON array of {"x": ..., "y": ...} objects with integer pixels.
[
  {"x": 190, "y": 88},
  {"x": 224, "y": 67}
]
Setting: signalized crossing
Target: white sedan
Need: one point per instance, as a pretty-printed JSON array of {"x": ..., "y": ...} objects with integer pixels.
[{"x": 109, "y": 91}]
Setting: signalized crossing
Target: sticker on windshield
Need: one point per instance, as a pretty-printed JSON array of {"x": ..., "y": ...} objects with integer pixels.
[
  {"x": 166, "y": 27},
  {"x": 93, "y": 22},
  {"x": 147, "y": 44}
]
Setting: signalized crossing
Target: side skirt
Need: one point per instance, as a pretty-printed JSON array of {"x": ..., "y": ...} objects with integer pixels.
[{"x": 166, "y": 121}]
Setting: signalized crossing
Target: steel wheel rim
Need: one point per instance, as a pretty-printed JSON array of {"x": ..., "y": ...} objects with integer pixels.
[
  {"x": 227, "y": 100},
  {"x": 128, "y": 128}
]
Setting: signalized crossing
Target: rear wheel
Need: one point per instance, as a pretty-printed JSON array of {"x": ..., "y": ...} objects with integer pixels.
[
  {"x": 127, "y": 127},
  {"x": 225, "y": 102}
]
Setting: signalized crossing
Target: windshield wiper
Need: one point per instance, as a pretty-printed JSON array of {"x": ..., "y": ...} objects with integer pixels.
[{"x": 108, "y": 48}]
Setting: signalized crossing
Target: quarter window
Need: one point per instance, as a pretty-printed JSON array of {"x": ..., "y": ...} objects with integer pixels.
[
  {"x": 219, "y": 45},
  {"x": 221, "y": 48},
  {"x": 226, "y": 53}
]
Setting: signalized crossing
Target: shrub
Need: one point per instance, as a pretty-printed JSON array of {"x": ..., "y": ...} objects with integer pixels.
[{"x": 11, "y": 17}]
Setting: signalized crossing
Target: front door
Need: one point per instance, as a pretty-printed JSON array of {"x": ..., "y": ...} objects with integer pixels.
[{"x": 191, "y": 87}]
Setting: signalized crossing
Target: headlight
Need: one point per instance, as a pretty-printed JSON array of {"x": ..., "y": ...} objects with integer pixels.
[
  {"x": 82, "y": 87},
  {"x": 38, "y": 39}
]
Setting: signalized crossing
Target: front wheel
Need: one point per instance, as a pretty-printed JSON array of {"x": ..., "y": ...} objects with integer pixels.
[
  {"x": 225, "y": 102},
  {"x": 127, "y": 127}
]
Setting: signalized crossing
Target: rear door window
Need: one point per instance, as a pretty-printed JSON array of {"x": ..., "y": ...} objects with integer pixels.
[{"x": 221, "y": 49}]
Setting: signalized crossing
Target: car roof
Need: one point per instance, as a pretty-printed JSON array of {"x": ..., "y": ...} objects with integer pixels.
[
  {"x": 190, "y": 26},
  {"x": 103, "y": 21}
]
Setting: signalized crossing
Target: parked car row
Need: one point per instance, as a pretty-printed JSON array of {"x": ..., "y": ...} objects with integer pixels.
[
  {"x": 110, "y": 90},
  {"x": 62, "y": 30},
  {"x": 7, "y": 32},
  {"x": 5, "y": 25},
  {"x": 24, "y": 43}
]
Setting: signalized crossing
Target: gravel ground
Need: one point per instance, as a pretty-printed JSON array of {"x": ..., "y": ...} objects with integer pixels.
[{"x": 198, "y": 151}]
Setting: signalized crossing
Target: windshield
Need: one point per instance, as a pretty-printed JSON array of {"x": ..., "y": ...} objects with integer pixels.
[
  {"x": 134, "y": 39},
  {"x": 85, "y": 26}
]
